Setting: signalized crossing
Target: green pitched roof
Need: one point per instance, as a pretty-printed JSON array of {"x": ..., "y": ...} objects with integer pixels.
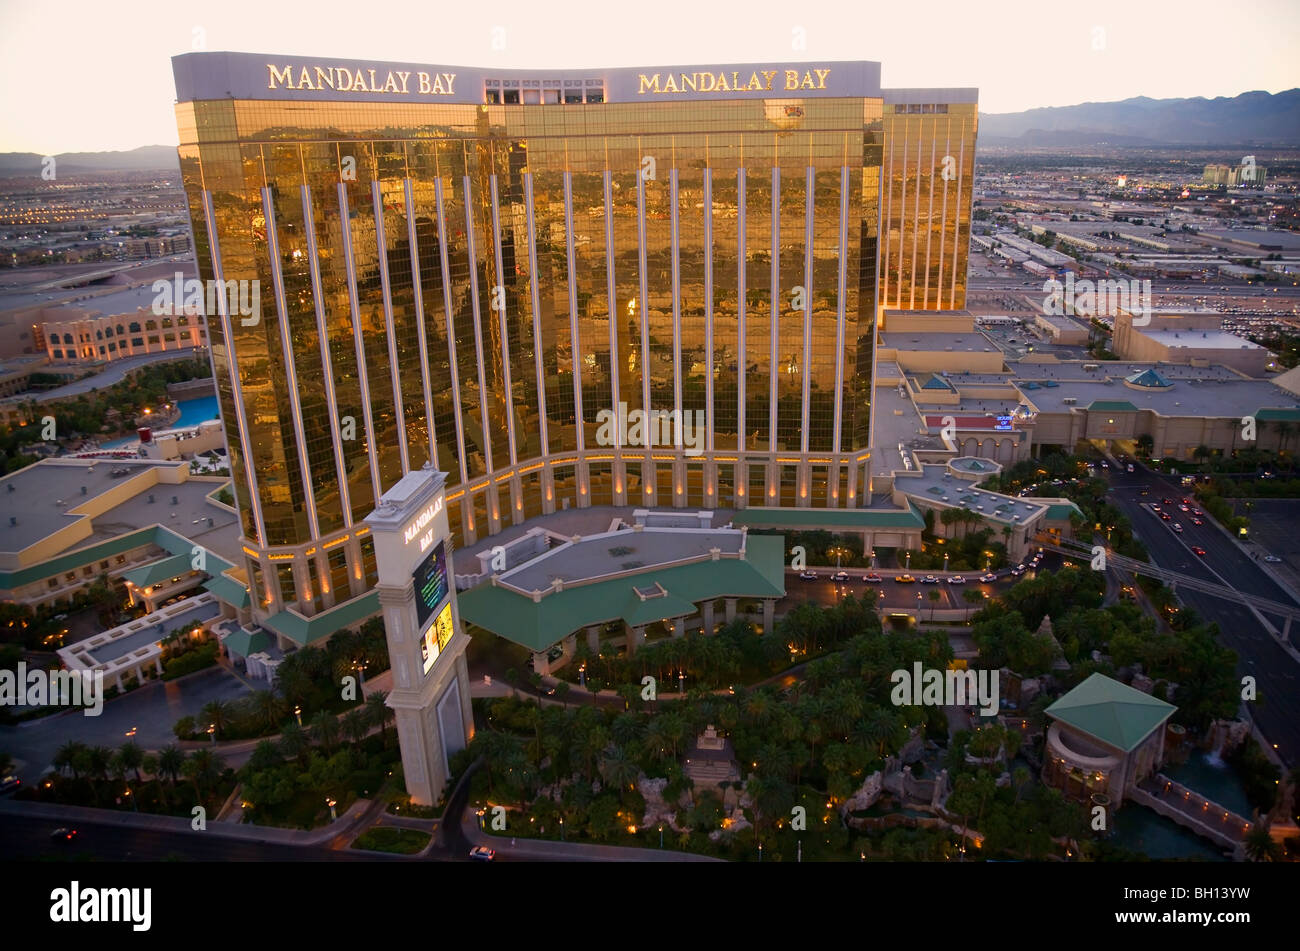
[
  {"x": 151, "y": 574},
  {"x": 166, "y": 539},
  {"x": 1277, "y": 415},
  {"x": 1112, "y": 406},
  {"x": 1061, "y": 511},
  {"x": 244, "y": 642},
  {"x": 1111, "y": 712},
  {"x": 229, "y": 590},
  {"x": 303, "y": 631},
  {"x": 539, "y": 624},
  {"x": 830, "y": 519}
]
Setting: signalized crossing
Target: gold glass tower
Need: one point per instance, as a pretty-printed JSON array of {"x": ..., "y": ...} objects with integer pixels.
[{"x": 474, "y": 267}]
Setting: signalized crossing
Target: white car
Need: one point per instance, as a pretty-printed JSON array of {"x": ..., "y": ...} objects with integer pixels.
[
  {"x": 957, "y": 579},
  {"x": 482, "y": 853},
  {"x": 808, "y": 575},
  {"x": 1273, "y": 559},
  {"x": 1178, "y": 528}
]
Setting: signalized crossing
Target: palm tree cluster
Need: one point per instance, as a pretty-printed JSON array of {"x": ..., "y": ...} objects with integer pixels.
[
  {"x": 820, "y": 737},
  {"x": 107, "y": 770}
]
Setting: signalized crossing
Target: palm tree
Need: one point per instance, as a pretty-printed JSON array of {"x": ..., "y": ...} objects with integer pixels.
[
  {"x": 131, "y": 756},
  {"x": 325, "y": 730},
  {"x": 972, "y": 597},
  {"x": 378, "y": 712},
  {"x": 217, "y": 714},
  {"x": 67, "y": 757},
  {"x": 294, "y": 742},
  {"x": 1019, "y": 778},
  {"x": 354, "y": 726},
  {"x": 934, "y": 600},
  {"x": 203, "y": 769},
  {"x": 1259, "y": 844},
  {"x": 268, "y": 708},
  {"x": 621, "y": 770},
  {"x": 171, "y": 760}
]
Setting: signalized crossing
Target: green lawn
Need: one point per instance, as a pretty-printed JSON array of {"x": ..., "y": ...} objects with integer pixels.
[{"x": 392, "y": 839}]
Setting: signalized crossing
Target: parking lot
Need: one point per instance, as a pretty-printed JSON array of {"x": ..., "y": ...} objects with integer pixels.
[{"x": 1273, "y": 528}]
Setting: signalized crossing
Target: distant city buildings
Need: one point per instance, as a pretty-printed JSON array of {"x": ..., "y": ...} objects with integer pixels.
[{"x": 1247, "y": 174}]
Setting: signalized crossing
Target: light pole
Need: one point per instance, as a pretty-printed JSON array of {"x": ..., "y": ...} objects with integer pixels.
[
  {"x": 873, "y": 559},
  {"x": 945, "y": 561},
  {"x": 212, "y": 732},
  {"x": 908, "y": 566},
  {"x": 561, "y": 828},
  {"x": 332, "y": 803},
  {"x": 661, "y": 836},
  {"x": 582, "y": 675},
  {"x": 297, "y": 712},
  {"x": 760, "y": 851}
]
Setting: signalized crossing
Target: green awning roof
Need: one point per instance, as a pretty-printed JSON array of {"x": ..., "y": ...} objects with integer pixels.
[
  {"x": 244, "y": 642},
  {"x": 1278, "y": 415},
  {"x": 1061, "y": 511},
  {"x": 539, "y": 624},
  {"x": 827, "y": 519},
  {"x": 303, "y": 631},
  {"x": 1111, "y": 712},
  {"x": 147, "y": 576},
  {"x": 228, "y": 590}
]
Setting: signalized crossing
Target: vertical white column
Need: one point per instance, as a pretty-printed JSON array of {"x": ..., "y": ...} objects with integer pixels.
[{"x": 381, "y": 242}]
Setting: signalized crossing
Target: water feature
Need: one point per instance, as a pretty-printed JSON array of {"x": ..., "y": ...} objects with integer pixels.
[
  {"x": 1138, "y": 829},
  {"x": 1209, "y": 775},
  {"x": 193, "y": 412}
]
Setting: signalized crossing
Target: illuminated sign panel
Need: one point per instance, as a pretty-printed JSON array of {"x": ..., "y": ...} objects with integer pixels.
[
  {"x": 436, "y": 637},
  {"x": 416, "y": 527},
  {"x": 430, "y": 580},
  {"x": 1003, "y": 423}
]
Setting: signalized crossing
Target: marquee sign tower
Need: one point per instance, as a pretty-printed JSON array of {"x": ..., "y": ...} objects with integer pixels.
[{"x": 426, "y": 645}]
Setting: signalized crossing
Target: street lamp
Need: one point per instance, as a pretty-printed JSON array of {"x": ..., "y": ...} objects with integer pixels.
[
  {"x": 297, "y": 712},
  {"x": 212, "y": 732},
  {"x": 908, "y": 566},
  {"x": 332, "y": 803},
  {"x": 561, "y": 828}
]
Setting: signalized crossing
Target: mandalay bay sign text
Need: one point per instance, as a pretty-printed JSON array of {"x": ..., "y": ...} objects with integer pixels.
[
  {"x": 759, "y": 80},
  {"x": 343, "y": 79}
]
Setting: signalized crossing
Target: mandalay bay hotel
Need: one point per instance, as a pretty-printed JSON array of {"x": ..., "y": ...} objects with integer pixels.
[{"x": 480, "y": 267}]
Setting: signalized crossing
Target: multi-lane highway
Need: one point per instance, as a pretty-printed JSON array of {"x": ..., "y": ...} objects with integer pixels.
[{"x": 1275, "y": 670}]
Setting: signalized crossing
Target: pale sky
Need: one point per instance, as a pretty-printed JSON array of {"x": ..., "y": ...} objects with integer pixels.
[{"x": 86, "y": 75}]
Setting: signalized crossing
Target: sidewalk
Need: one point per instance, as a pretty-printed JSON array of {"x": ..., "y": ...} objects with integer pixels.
[
  {"x": 175, "y": 824},
  {"x": 545, "y": 850}
]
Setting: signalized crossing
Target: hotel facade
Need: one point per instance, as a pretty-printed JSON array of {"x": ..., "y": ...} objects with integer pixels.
[{"x": 473, "y": 267}]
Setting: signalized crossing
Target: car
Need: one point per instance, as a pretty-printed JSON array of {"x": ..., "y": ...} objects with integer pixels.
[
  {"x": 1154, "y": 507},
  {"x": 1273, "y": 559},
  {"x": 988, "y": 578},
  {"x": 1198, "y": 550},
  {"x": 1128, "y": 593},
  {"x": 1198, "y": 521},
  {"x": 840, "y": 576},
  {"x": 1018, "y": 570},
  {"x": 1105, "y": 464},
  {"x": 1144, "y": 492},
  {"x": 1166, "y": 501},
  {"x": 956, "y": 579},
  {"x": 63, "y": 835},
  {"x": 872, "y": 577},
  {"x": 1130, "y": 469},
  {"x": 1198, "y": 513},
  {"x": 482, "y": 853},
  {"x": 1178, "y": 528},
  {"x": 10, "y": 783},
  {"x": 1187, "y": 501},
  {"x": 929, "y": 579},
  {"x": 808, "y": 575},
  {"x": 1166, "y": 516},
  {"x": 904, "y": 579},
  {"x": 1184, "y": 508}
]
